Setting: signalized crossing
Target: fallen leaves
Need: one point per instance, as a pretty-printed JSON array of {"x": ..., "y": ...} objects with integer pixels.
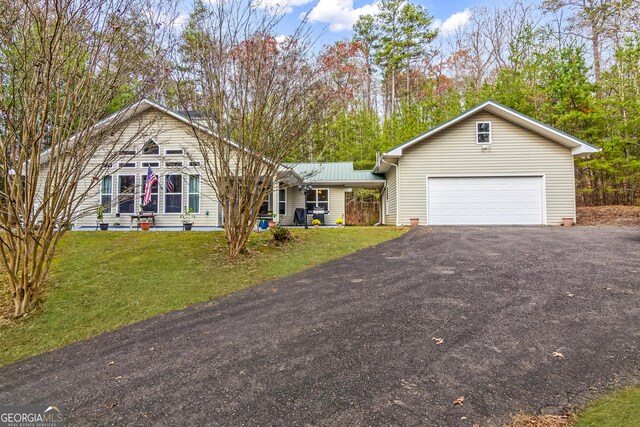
[
  {"x": 570, "y": 295},
  {"x": 557, "y": 354},
  {"x": 438, "y": 341},
  {"x": 459, "y": 401}
]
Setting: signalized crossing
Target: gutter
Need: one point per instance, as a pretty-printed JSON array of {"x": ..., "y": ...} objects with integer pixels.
[{"x": 397, "y": 189}]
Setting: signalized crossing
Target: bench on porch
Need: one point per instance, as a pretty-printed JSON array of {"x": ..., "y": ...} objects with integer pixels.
[{"x": 141, "y": 216}]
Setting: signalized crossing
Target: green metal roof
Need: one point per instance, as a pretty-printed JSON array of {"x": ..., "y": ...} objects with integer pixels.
[{"x": 332, "y": 172}]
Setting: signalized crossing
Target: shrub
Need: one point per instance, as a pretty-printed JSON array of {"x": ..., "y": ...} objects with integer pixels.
[
  {"x": 281, "y": 234},
  {"x": 339, "y": 221},
  {"x": 316, "y": 222}
]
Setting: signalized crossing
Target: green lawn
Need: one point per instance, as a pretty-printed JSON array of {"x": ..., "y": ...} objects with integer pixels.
[
  {"x": 103, "y": 280},
  {"x": 618, "y": 409}
]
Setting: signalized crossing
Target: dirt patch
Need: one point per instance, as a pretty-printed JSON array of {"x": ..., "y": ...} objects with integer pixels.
[
  {"x": 609, "y": 215},
  {"x": 540, "y": 421}
]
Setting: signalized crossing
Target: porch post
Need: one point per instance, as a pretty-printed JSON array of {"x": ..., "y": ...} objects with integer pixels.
[{"x": 275, "y": 200}]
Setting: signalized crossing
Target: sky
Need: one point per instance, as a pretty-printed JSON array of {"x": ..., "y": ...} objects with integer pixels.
[{"x": 333, "y": 20}]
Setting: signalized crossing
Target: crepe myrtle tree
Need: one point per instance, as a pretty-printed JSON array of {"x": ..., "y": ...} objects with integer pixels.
[
  {"x": 62, "y": 64},
  {"x": 255, "y": 95}
]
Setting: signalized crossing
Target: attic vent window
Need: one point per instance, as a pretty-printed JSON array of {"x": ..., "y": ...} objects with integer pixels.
[
  {"x": 483, "y": 132},
  {"x": 150, "y": 148}
]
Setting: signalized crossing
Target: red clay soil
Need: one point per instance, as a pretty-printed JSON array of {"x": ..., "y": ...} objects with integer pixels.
[{"x": 609, "y": 215}]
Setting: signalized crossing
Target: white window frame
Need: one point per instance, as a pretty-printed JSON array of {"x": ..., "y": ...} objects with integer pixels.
[
  {"x": 143, "y": 177},
  {"x": 173, "y": 154},
  {"x": 145, "y": 165},
  {"x": 108, "y": 209},
  {"x": 149, "y": 155},
  {"x": 478, "y": 132},
  {"x": 131, "y": 149},
  {"x": 166, "y": 164},
  {"x": 199, "y": 193},
  {"x": 164, "y": 192},
  {"x": 316, "y": 199},
  {"x": 135, "y": 184},
  {"x": 281, "y": 201},
  {"x": 121, "y": 165}
]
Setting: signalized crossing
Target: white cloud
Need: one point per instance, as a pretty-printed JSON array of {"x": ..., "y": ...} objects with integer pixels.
[
  {"x": 340, "y": 14},
  {"x": 278, "y": 6},
  {"x": 453, "y": 23}
]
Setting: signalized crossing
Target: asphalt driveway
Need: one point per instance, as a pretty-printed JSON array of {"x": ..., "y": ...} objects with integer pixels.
[{"x": 352, "y": 342}]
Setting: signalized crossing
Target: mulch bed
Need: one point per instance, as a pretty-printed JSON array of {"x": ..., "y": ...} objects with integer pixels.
[
  {"x": 540, "y": 421},
  {"x": 609, "y": 215}
]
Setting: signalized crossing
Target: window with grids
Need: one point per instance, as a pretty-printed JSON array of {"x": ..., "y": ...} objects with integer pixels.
[
  {"x": 483, "y": 132},
  {"x": 126, "y": 194},
  {"x": 173, "y": 194},
  {"x": 152, "y": 206},
  {"x": 318, "y": 198},
  {"x": 194, "y": 193},
  {"x": 106, "y": 191}
]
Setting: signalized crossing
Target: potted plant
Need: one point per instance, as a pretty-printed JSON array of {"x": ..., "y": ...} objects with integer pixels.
[
  {"x": 273, "y": 221},
  {"x": 188, "y": 219},
  {"x": 340, "y": 222},
  {"x": 145, "y": 225},
  {"x": 316, "y": 223},
  {"x": 414, "y": 221},
  {"x": 100, "y": 216}
]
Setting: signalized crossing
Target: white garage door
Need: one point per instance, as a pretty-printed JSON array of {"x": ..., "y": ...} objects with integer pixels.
[{"x": 485, "y": 200}]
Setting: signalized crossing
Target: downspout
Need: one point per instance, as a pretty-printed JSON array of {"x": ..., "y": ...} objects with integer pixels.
[
  {"x": 384, "y": 187},
  {"x": 397, "y": 189}
]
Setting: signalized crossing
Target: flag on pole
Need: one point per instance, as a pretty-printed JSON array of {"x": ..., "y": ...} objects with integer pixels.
[{"x": 151, "y": 180}]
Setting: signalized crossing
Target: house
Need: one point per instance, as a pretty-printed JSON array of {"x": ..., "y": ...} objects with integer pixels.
[
  {"x": 152, "y": 136},
  {"x": 489, "y": 165}
]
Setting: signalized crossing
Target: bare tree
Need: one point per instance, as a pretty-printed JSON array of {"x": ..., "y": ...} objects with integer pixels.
[
  {"x": 62, "y": 63},
  {"x": 258, "y": 97}
]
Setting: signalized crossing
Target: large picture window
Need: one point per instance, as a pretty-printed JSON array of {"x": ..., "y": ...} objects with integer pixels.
[
  {"x": 319, "y": 198},
  {"x": 126, "y": 194},
  {"x": 194, "y": 193},
  {"x": 106, "y": 192},
  {"x": 152, "y": 206},
  {"x": 173, "y": 194}
]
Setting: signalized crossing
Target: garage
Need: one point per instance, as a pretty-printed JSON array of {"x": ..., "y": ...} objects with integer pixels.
[{"x": 485, "y": 200}]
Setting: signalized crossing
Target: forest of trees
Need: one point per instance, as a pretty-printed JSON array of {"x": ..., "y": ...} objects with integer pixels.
[{"x": 572, "y": 64}]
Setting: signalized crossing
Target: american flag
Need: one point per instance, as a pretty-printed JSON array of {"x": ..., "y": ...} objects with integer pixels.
[
  {"x": 151, "y": 180},
  {"x": 169, "y": 187}
]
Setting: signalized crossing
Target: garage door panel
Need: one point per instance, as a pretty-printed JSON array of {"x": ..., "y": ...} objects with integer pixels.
[{"x": 484, "y": 200}]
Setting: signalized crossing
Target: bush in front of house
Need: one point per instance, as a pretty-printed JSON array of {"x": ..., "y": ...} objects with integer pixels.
[{"x": 281, "y": 234}]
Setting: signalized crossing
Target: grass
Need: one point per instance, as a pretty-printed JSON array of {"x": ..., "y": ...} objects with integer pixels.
[
  {"x": 618, "y": 409},
  {"x": 101, "y": 281}
]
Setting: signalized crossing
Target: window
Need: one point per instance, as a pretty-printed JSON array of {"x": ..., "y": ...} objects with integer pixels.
[
  {"x": 127, "y": 152},
  {"x": 173, "y": 164},
  {"x": 150, "y": 148},
  {"x": 194, "y": 193},
  {"x": 106, "y": 188},
  {"x": 149, "y": 164},
  {"x": 152, "y": 206},
  {"x": 483, "y": 132},
  {"x": 319, "y": 198},
  {"x": 127, "y": 165},
  {"x": 107, "y": 165},
  {"x": 282, "y": 209},
  {"x": 126, "y": 194},
  {"x": 194, "y": 163},
  {"x": 173, "y": 194},
  {"x": 171, "y": 151}
]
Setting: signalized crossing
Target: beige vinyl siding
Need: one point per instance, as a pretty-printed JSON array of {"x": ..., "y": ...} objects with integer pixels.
[
  {"x": 168, "y": 133},
  {"x": 390, "y": 218},
  {"x": 514, "y": 150},
  {"x": 336, "y": 204}
]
